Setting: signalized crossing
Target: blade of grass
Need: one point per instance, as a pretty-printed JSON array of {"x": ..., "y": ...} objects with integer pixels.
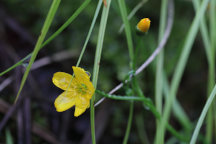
[
  {"x": 204, "y": 33},
  {"x": 202, "y": 116},
  {"x": 141, "y": 129},
  {"x": 16, "y": 65},
  {"x": 211, "y": 80},
  {"x": 130, "y": 118},
  {"x": 210, "y": 58},
  {"x": 160, "y": 59},
  {"x": 212, "y": 26},
  {"x": 65, "y": 25},
  {"x": 44, "y": 31},
  {"x": 123, "y": 11},
  {"x": 87, "y": 39},
  {"x": 159, "y": 65},
  {"x": 180, "y": 67},
  {"x": 90, "y": 31},
  {"x": 178, "y": 111},
  {"x": 99, "y": 47}
]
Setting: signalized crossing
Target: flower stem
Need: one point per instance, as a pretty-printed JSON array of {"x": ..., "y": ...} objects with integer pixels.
[
  {"x": 128, "y": 34},
  {"x": 130, "y": 117},
  {"x": 159, "y": 66},
  {"x": 123, "y": 11},
  {"x": 99, "y": 47}
]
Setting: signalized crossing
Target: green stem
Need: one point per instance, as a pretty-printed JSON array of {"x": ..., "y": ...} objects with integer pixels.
[
  {"x": 99, "y": 47},
  {"x": 41, "y": 38},
  {"x": 202, "y": 116},
  {"x": 159, "y": 67},
  {"x": 67, "y": 23},
  {"x": 130, "y": 117},
  {"x": 125, "y": 98},
  {"x": 16, "y": 65},
  {"x": 141, "y": 129},
  {"x": 124, "y": 15},
  {"x": 123, "y": 11},
  {"x": 90, "y": 31},
  {"x": 211, "y": 79},
  {"x": 204, "y": 32},
  {"x": 147, "y": 103}
]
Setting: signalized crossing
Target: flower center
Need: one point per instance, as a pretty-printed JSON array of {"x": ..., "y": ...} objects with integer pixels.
[{"x": 82, "y": 88}]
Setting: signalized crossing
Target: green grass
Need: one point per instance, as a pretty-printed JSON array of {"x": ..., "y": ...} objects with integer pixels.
[
  {"x": 152, "y": 95},
  {"x": 180, "y": 68},
  {"x": 98, "y": 52},
  {"x": 124, "y": 15},
  {"x": 202, "y": 116},
  {"x": 159, "y": 65},
  {"x": 63, "y": 27},
  {"x": 40, "y": 40}
]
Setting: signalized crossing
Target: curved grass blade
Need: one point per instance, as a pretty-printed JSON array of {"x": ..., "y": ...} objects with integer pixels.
[
  {"x": 98, "y": 52},
  {"x": 41, "y": 38},
  {"x": 65, "y": 25},
  {"x": 202, "y": 116},
  {"x": 180, "y": 67}
]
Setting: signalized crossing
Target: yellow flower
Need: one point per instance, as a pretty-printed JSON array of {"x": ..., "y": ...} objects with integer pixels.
[
  {"x": 144, "y": 25},
  {"x": 78, "y": 90}
]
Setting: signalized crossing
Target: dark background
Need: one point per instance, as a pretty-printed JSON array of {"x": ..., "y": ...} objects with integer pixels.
[{"x": 20, "y": 25}]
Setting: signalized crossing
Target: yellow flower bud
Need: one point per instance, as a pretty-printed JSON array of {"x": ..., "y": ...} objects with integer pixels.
[{"x": 144, "y": 25}]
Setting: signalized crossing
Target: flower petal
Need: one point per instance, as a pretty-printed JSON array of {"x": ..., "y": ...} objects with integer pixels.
[
  {"x": 62, "y": 80},
  {"x": 80, "y": 74},
  {"x": 90, "y": 91},
  {"x": 65, "y": 101},
  {"x": 82, "y": 102},
  {"x": 79, "y": 111}
]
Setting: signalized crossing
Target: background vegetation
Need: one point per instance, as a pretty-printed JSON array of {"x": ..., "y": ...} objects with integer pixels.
[{"x": 192, "y": 41}]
